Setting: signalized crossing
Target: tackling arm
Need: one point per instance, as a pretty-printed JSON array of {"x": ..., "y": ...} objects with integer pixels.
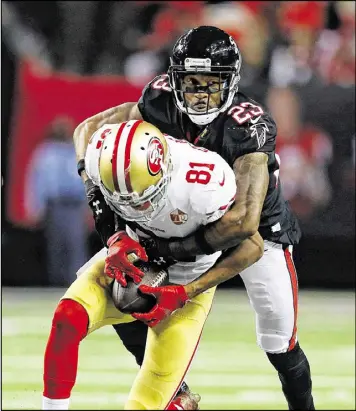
[
  {"x": 103, "y": 216},
  {"x": 83, "y": 132},
  {"x": 238, "y": 224},
  {"x": 241, "y": 257},
  {"x": 170, "y": 298},
  {"x": 243, "y": 219}
]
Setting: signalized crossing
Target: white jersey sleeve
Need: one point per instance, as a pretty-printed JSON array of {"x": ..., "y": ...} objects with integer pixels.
[
  {"x": 205, "y": 187},
  {"x": 212, "y": 200}
]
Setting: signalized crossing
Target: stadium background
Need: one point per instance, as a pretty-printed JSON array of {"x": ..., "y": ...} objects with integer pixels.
[{"x": 64, "y": 61}]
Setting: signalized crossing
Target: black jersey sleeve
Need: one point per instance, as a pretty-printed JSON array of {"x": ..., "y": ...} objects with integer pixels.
[
  {"x": 256, "y": 134},
  {"x": 156, "y": 104}
]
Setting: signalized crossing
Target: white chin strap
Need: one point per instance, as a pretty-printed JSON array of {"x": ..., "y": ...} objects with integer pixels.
[{"x": 203, "y": 119}]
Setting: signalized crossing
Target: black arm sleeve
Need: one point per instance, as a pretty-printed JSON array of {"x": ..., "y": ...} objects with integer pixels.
[{"x": 105, "y": 219}]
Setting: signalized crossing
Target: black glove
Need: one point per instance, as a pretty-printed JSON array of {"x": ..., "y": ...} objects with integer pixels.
[
  {"x": 168, "y": 252},
  {"x": 104, "y": 217},
  {"x": 158, "y": 251}
]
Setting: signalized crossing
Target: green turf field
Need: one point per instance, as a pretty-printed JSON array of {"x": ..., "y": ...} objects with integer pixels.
[{"x": 229, "y": 370}]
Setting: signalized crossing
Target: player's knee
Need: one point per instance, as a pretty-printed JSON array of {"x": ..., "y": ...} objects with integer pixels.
[
  {"x": 167, "y": 366},
  {"x": 159, "y": 372},
  {"x": 160, "y": 369},
  {"x": 262, "y": 302},
  {"x": 273, "y": 343},
  {"x": 71, "y": 316}
]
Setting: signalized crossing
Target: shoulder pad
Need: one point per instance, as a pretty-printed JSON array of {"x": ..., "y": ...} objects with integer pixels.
[
  {"x": 156, "y": 104},
  {"x": 160, "y": 83},
  {"x": 218, "y": 193},
  {"x": 156, "y": 86},
  {"x": 251, "y": 126}
]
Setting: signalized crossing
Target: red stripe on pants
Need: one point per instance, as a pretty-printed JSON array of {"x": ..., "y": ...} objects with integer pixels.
[{"x": 294, "y": 282}]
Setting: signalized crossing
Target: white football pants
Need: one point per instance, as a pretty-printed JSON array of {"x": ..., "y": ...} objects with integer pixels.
[{"x": 272, "y": 288}]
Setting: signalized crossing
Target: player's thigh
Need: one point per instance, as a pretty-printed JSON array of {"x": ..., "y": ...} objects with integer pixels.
[
  {"x": 99, "y": 256},
  {"x": 92, "y": 290},
  {"x": 179, "y": 334},
  {"x": 272, "y": 287},
  {"x": 170, "y": 348}
]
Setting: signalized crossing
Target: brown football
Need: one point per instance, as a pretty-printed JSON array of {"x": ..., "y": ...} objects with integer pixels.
[{"x": 129, "y": 299}]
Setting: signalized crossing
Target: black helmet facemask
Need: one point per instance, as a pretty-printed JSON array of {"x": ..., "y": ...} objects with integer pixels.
[{"x": 221, "y": 49}]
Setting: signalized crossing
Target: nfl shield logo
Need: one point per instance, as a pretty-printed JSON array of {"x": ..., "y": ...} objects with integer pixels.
[{"x": 178, "y": 217}]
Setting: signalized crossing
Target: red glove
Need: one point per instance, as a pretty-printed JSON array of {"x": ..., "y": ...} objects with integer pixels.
[
  {"x": 117, "y": 261},
  {"x": 169, "y": 298}
]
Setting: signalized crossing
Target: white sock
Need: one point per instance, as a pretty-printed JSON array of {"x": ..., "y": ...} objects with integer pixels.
[{"x": 49, "y": 404}]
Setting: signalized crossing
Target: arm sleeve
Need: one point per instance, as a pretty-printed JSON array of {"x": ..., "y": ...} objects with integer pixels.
[{"x": 257, "y": 137}]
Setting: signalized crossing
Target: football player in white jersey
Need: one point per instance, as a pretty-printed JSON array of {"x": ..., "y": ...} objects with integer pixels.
[
  {"x": 196, "y": 188},
  {"x": 157, "y": 186}
]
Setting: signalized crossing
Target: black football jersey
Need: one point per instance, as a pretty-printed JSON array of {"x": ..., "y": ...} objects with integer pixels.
[{"x": 246, "y": 127}]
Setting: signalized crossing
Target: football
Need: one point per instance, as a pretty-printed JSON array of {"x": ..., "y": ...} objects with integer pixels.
[{"x": 129, "y": 299}]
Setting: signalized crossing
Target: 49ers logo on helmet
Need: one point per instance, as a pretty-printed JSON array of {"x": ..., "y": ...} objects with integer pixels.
[{"x": 155, "y": 156}]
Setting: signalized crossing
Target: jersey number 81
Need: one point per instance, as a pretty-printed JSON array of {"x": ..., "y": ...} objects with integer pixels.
[{"x": 199, "y": 176}]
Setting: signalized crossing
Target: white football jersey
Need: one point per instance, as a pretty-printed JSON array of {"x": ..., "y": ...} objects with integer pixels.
[{"x": 201, "y": 190}]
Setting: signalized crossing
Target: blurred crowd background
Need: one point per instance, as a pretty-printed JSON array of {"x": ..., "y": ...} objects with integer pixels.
[{"x": 65, "y": 60}]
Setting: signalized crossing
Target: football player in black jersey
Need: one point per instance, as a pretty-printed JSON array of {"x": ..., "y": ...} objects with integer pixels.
[{"x": 198, "y": 100}]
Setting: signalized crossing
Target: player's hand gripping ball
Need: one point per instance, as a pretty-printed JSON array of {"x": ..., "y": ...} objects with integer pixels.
[
  {"x": 169, "y": 299},
  {"x": 130, "y": 299},
  {"x": 122, "y": 253}
]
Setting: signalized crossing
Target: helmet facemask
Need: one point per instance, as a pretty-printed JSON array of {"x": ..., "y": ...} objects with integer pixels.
[
  {"x": 141, "y": 207},
  {"x": 227, "y": 85}
]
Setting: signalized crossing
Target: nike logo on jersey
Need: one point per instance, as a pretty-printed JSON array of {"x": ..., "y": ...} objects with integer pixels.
[{"x": 223, "y": 180}]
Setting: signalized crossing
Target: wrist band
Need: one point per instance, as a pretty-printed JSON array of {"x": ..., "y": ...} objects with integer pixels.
[{"x": 80, "y": 166}]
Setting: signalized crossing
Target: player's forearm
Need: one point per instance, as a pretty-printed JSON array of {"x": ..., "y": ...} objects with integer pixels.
[
  {"x": 223, "y": 234},
  {"x": 241, "y": 221},
  {"x": 87, "y": 128},
  {"x": 233, "y": 228},
  {"x": 84, "y": 176},
  {"x": 243, "y": 256}
]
